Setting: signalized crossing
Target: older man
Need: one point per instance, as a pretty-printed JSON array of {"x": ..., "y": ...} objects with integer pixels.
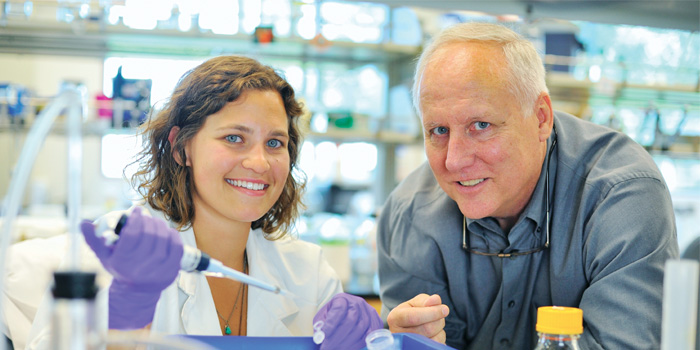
[{"x": 518, "y": 207}]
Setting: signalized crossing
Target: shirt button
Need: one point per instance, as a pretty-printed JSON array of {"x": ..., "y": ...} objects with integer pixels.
[
  {"x": 511, "y": 303},
  {"x": 539, "y": 229},
  {"x": 505, "y": 342}
]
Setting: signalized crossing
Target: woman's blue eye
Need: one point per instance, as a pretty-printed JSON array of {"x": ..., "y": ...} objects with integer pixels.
[
  {"x": 233, "y": 138},
  {"x": 440, "y": 130},
  {"x": 274, "y": 143},
  {"x": 482, "y": 125}
]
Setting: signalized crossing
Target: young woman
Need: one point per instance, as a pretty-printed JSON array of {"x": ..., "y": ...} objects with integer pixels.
[{"x": 216, "y": 174}]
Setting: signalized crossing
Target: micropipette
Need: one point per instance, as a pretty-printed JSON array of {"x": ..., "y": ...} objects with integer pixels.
[{"x": 193, "y": 259}]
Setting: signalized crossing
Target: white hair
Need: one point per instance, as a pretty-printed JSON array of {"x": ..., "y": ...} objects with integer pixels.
[{"x": 525, "y": 75}]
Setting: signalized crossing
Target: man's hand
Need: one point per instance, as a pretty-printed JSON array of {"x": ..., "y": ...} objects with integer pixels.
[{"x": 424, "y": 315}]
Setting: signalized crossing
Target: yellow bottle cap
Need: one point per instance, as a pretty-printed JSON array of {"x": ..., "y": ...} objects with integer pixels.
[{"x": 559, "y": 320}]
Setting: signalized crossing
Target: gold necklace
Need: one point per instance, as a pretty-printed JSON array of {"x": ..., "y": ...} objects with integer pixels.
[{"x": 227, "y": 329}]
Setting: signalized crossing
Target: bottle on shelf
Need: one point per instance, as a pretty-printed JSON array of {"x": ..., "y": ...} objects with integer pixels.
[{"x": 558, "y": 327}]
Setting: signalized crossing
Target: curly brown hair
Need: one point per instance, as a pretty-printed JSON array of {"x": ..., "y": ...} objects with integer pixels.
[{"x": 166, "y": 185}]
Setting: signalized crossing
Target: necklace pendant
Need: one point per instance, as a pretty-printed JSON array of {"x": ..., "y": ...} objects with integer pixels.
[{"x": 227, "y": 330}]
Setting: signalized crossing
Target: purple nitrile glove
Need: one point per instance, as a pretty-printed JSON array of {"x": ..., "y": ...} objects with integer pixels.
[
  {"x": 344, "y": 322},
  {"x": 143, "y": 261}
]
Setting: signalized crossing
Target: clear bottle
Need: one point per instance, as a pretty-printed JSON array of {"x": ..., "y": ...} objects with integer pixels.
[
  {"x": 73, "y": 319},
  {"x": 558, "y": 327}
]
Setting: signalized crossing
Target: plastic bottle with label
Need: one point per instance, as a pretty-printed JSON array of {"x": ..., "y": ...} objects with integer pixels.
[{"x": 558, "y": 327}]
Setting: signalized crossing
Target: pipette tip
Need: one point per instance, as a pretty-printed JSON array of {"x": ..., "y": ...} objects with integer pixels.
[{"x": 283, "y": 292}]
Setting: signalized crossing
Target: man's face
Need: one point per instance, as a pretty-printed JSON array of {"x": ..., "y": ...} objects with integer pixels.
[{"x": 484, "y": 153}]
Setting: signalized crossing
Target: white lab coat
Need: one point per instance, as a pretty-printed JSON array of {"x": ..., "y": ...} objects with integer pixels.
[{"x": 187, "y": 307}]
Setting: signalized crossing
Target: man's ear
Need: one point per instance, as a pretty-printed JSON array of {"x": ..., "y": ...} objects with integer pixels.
[
  {"x": 171, "y": 139},
  {"x": 545, "y": 116}
]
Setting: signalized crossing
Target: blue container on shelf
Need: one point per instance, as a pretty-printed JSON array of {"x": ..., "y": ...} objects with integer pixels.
[{"x": 407, "y": 341}]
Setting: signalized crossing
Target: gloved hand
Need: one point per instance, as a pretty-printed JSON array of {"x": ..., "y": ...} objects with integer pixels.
[
  {"x": 143, "y": 261},
  {"x": 346, "y": 322}
]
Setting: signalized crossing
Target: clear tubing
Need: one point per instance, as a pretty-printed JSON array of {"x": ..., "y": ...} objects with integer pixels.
[
  {"x": 75, "y": 164},
  {"x": 30, "y": 150}
]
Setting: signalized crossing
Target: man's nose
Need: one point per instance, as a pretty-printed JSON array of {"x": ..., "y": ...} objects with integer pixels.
[{"x": 460, "y": 152}]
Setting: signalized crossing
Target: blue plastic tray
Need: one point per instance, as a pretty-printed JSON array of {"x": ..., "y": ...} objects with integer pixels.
[
  {"x": 408, "y": 341},
  {"x": 257, "y": 343}
]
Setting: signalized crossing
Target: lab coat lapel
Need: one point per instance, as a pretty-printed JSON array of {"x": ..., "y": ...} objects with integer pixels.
[
  {"x": 269, "y": 314},
  {"x": 198, "y": 311},
  {"x": 272, "y": 315}
]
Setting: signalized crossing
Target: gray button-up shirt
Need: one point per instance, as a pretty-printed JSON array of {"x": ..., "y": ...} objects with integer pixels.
[{"x": 612, "y": 229}]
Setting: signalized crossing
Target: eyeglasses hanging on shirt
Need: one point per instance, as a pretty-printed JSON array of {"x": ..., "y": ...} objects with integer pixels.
[{"x": 548, "y": 224}]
